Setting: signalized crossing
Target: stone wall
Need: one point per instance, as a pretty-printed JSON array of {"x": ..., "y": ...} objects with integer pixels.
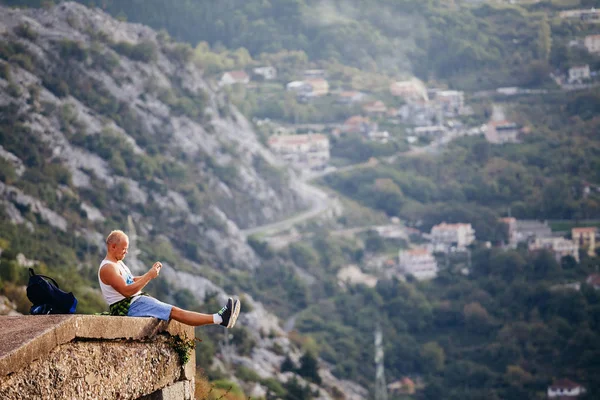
[{"x": 93, "y": 357}]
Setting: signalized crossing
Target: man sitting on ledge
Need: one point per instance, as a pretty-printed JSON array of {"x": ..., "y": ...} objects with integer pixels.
[{"x": 122, "y": 291}]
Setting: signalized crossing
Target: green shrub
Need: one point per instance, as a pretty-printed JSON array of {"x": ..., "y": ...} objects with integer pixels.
[
  {"x": 56, "y": 85},
  {"x": 24, "y": 30},
  {"x": 8, "y": 49},
  {"x": 180, "y": 52},
  {"x": 259, "y": 246},
  {"x": 5, "y": 71},
  {"x": 243, "y": 341},
  {"x": 13, "y": 90},
  {"x": 7, "y": 171},
  {"x": 274, "y": 386},
  {"x": 247, "y": 375},
  {"x": 72, "y": 49},
  {"x": 144, "y": 51},
  {"x": 229, "y": 386},
  {"x": 11, "y": 271},
  {"x": 22, "y": 60},
  {"x": 105, "y": 60}
]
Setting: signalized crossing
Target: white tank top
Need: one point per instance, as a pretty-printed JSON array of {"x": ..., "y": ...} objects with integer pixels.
[{"x": 110, "y": 295}]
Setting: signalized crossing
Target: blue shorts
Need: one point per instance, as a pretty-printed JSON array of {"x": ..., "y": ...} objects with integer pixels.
[{"x": 146, "y": 306}]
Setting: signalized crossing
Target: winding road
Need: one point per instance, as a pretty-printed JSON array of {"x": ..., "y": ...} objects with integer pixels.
[{"x": 319, "y": 202}]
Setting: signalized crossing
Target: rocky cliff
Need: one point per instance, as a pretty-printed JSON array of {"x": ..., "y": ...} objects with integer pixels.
[
  {"x": 110, "y": 125},
  {"x": 113, "y": 119}
]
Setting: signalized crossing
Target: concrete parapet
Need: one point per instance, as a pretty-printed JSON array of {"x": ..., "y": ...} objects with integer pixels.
[{"x": 92, "y": 357}]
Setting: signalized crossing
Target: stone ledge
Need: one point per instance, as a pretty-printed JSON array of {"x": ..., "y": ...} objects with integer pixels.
[
  {"x": 24, "y": 339},
  {"x": 177, "y": 391}
]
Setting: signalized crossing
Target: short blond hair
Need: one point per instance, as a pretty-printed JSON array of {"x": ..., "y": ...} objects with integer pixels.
[{"x": 115, "y": 237}]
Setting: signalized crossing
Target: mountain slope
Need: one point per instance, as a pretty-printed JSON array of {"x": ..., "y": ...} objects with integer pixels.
[{"x": 102, "y": 120}]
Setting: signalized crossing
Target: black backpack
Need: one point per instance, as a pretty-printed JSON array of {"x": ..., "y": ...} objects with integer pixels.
[{"x": 46, "y": 296}]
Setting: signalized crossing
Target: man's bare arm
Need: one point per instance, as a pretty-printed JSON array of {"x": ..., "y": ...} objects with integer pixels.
[{"x": 109, "y": 274}]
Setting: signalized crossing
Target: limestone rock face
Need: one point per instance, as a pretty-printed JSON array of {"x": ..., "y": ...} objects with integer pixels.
[
  {"x": 86, "y": 86},
  {"x": 189, "y": 170}
]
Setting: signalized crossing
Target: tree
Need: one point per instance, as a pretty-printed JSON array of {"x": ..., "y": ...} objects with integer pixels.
[
  {"x": 476, "y": 317},
  {"x": 544, "y": 40},
  {"x": 287, "y": 364},
  {"x": 433, "y": 357},
  {"x": 295, "y": 390},
  {"x": 568, "y": 262},
  {"x": 374, "y": 243},
  {"x": 309, "y": 368},
  {"x": 303, "y": 255}
]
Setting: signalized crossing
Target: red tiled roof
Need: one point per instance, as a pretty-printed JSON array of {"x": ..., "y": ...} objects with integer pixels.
[
  {"x": 375, "y": 105},
  {"x": 417, "y": 252},
  {"x": 564, "y": 384},
  {"x": 297, "y": 139},
  {"x": 357, "y": 119},
  {"x": 584, "y": 230},
  {"x": 445, "y": 226},
  {"x": 501, "y": 123},
  {"x": 238, "y": 75}
]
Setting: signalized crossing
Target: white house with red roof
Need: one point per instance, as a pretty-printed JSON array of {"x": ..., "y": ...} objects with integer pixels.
[
  {"x": 565, "y": 389},
  {"x": 559, "y": 246},
  {"x": 304, "y": 151},
  {"x": 267, "y": 72},
  {"x": 350, "y": 97},
  {"x": 451, "y": 102},
  {"x": 359, "y": 124},
  {"x": 498, "y": 132},
  {"x": 579, "y": 73},
  {"x": 376, "y": 107},
  {"x": 233, "y": 77},
  {"x": 444, "y": 236},
  {"x": 418, "y": 262},
  {"x": 412, "y": 91},
  {"x": 592, "y": 43},
  {"x": 319, "y": 86}
]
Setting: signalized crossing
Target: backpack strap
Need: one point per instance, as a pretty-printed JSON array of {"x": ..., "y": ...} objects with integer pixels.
[
  {"x": 50, "y": 279},
  {"x": 32, "y": 274}
]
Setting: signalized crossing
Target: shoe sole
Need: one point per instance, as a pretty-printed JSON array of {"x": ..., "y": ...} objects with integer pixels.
[{"x": 234, "y": 314}]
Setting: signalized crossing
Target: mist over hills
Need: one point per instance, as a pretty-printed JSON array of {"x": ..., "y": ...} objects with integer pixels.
[
  {"x": 433, "y": 39},
  {"x": 107, "y": 124}
]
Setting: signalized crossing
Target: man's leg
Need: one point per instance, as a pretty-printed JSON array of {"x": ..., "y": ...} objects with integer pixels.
[
  {"x": 227, "y": 316},
  {"x": 190, "y": 317}
]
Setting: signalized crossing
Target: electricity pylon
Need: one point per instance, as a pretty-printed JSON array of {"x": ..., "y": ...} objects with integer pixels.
[{"x": 380, "y": 385}]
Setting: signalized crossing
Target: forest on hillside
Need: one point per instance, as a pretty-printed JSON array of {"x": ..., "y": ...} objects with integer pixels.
[
  {"x": 544, "y": 177},
  {"x": 468, "y": 46}
]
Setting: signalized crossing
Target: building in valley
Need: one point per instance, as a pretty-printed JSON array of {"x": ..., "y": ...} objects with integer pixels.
[
  {"x": 559, "y": 246},
  {"x": 310, "y": 151},
  {"x": 418, "y": 262},
  {"x": 585, "y": 238},
  {"x": 565, "y": 389},
  {"x": 446, "y": 236}
]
